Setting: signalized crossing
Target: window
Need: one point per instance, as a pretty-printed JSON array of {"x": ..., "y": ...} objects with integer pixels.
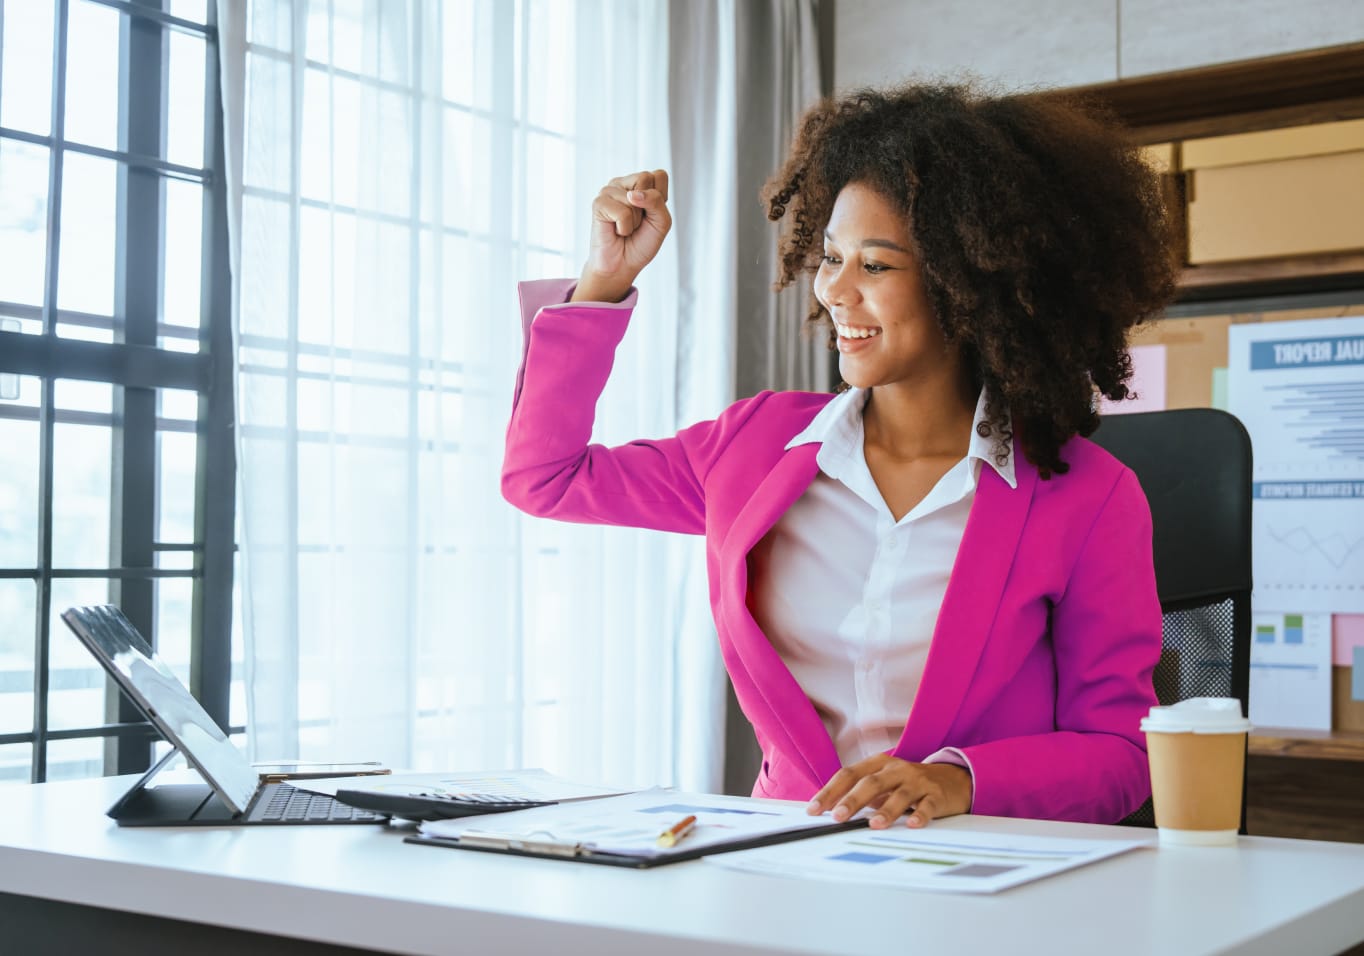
[{"x": 117, "y": 472}]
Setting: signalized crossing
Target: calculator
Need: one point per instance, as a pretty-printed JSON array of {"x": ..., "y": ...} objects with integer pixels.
[{"x": 435, "y": 806}]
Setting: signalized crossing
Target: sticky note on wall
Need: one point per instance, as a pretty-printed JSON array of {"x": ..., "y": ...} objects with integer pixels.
[
  {"x": 1357, "y": 675},
  {"x": 1148, "y": 382},
  {"x": 1347, "y": 634}
]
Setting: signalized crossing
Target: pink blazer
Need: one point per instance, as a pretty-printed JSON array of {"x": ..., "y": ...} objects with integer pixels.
[{"x": 1041, "y": 661}]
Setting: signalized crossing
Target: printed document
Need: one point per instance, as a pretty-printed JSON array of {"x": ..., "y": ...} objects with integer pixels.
[{"x": 938, "y": 858}]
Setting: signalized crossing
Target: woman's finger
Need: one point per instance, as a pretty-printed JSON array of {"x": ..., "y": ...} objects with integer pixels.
[
  {"x": 621, "y": 214},
  {"x": 925, "y": 810},
  {"x": 829, "y": 794},
  {"x": 864, "y": 793},
  {"x": 901, "y": 799},
  {"x": 640, "y": 180}
]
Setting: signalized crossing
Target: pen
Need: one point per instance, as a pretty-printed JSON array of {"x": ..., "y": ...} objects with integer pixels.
[{"x": 677, "y": 831}]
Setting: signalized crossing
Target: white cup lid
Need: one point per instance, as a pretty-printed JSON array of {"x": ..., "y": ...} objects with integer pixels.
[{"x": 1197, "y": 715}]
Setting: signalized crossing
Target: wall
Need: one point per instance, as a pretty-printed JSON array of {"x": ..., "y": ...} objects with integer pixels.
[{"x": 1051, "y": 43}]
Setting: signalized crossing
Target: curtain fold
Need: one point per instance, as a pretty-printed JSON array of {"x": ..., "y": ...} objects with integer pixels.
[
  {"x": 778, "y": 47},
  {"x": 393, "y": 170},
  {"x": 742, "y": 75}
]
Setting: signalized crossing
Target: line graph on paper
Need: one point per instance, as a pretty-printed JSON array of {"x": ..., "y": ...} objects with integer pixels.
[
  {"x": 1335, "y": 548},
  {"x": 1308, "y": 556}
]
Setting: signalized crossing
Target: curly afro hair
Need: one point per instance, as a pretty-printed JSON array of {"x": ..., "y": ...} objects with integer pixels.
[{"x": 1041, "y": 233}]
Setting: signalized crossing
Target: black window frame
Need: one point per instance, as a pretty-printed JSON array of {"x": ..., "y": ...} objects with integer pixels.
[{"x": 136, "y": 363}]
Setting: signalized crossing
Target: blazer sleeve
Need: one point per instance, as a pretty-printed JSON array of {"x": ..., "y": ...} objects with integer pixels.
[
  {"x": 1106, "y": 635},
  {"x": 550, "y": 467}
]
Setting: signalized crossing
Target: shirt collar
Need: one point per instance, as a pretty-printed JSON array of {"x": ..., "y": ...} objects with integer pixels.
[{"x": 837, "y": 428}]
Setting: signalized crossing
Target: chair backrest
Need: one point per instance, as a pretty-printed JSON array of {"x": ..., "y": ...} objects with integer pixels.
[{"x": 1195, "y": 466}]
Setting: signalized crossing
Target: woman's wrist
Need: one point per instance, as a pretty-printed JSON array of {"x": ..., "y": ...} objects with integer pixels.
[{"x": 595, "y": 288}]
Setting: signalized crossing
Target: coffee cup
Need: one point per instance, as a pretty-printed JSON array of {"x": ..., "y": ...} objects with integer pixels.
[{"x": 1197, "y": 751}]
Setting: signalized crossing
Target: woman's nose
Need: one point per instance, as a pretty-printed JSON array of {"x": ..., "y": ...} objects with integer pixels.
[{"x": 840, "y": 288}]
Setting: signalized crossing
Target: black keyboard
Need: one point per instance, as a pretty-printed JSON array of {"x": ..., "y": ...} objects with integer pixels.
[
  {"x": 436, "y": 806},
  {"x": 288, "y": 804}
]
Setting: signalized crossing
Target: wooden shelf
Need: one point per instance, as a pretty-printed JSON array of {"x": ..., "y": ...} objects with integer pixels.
[
  {"x": 1311, "y": 86},
  {"x": 1317, "y": 744},
  {"x": 1261, "y": 275}
]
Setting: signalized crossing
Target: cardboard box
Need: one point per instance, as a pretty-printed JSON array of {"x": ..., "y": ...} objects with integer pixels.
[
  {"x": 1287, "y": 207},
  {"x": 1321, "y": 139}
]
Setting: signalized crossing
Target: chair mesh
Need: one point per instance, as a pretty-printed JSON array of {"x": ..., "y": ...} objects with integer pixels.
[{"x": 1195, "y": 661}]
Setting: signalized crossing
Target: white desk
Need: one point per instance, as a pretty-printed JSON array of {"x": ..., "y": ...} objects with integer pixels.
[{"x": 363, "y": 887}]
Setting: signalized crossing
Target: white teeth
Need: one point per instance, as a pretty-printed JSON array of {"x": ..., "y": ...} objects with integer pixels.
[{"x": 849, "y": 332}]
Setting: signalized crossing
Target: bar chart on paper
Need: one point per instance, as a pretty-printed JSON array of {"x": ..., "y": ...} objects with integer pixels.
[{"x": 1290, "y": 671}]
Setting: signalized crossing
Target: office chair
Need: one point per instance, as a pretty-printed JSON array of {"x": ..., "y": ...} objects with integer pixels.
[{"x": 1195, "y": 466}]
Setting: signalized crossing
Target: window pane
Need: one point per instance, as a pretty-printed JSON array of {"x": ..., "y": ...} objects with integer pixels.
[
  {"x": 185, "y": 99},
  {"x": 23, "y": 220},
  {"x": 348, "y": 40},
  {"x": 85, "y": 268},
  {"x": 264, "y": 285},
  {"x": 175, "y": 490},
  {"x": 174, "y": 600},
  {"x": 75, "y": 759},
  {"x": 269, "y": 92},
  {"x": 18, "y": 617},
  {"x": 549, "y": 192},
  {"x": 15, "y": 763},
  {"x": 86, "y": 328},
  {"x": 237, "y": 692},
  {"x": 184, "y": 224},
  {"x": 467, "y": 171},
  {"x": 196, "y": 10},
  {"x": 346, "y": 134},
  {"x": 78, "y": 685},
  {"x": 92, "y": 44},
  {"x": 80, "y": 496},
  {"x": 26, "y": 62},
  {"x": 72, "y": 395},
  {"x": 467, "y": 28},
  {"x": 19, "y": 487},
  {"x": 550, "y": 85},
  {"x": 316, "y": 149},
  {"x": 268, "y": 23}
]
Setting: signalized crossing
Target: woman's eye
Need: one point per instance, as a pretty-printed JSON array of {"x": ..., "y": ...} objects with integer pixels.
[
  {"x": 829, "y": 260},
  {"x": 876, "y": 268}
]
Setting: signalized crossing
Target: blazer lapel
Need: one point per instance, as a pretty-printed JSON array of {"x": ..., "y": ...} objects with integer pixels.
[
  {"x": 969, "y": 606},
  {"x": 792, "y": 714}
]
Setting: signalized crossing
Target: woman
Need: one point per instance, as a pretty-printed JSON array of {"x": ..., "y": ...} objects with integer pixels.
[{"x": 932, "y": 594}]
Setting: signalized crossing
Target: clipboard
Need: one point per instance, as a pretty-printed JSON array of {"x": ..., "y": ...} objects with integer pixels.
[
  {"x": 625, "y": 830},
  {"x": 549, "y": 849}
]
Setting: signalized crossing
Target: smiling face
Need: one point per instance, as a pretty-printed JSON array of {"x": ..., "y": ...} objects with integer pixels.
[{"x": 870, "y": 283}]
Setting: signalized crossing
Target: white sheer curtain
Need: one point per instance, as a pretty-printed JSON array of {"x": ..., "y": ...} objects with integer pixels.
[{"x": 394, "y": 168}]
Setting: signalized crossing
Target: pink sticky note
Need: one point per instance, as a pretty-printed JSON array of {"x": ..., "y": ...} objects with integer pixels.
[
  {"x": 1148, "y": 381},
  {"x": 1347, "y": 633}
]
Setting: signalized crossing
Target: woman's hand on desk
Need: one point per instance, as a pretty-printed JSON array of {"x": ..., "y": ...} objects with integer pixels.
[
  {"x": 893, "y": 786},
  {"x": 630, "y": 220}
]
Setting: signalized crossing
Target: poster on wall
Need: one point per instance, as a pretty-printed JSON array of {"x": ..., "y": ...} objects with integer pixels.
[{"x": 1299, "y": 389}]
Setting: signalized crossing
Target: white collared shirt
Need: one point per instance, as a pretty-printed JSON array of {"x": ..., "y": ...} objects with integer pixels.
[{"x": 849, "y": 596}]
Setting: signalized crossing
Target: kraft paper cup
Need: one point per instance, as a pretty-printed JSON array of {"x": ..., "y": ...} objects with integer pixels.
[{"x": 1197, "y": 751}]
